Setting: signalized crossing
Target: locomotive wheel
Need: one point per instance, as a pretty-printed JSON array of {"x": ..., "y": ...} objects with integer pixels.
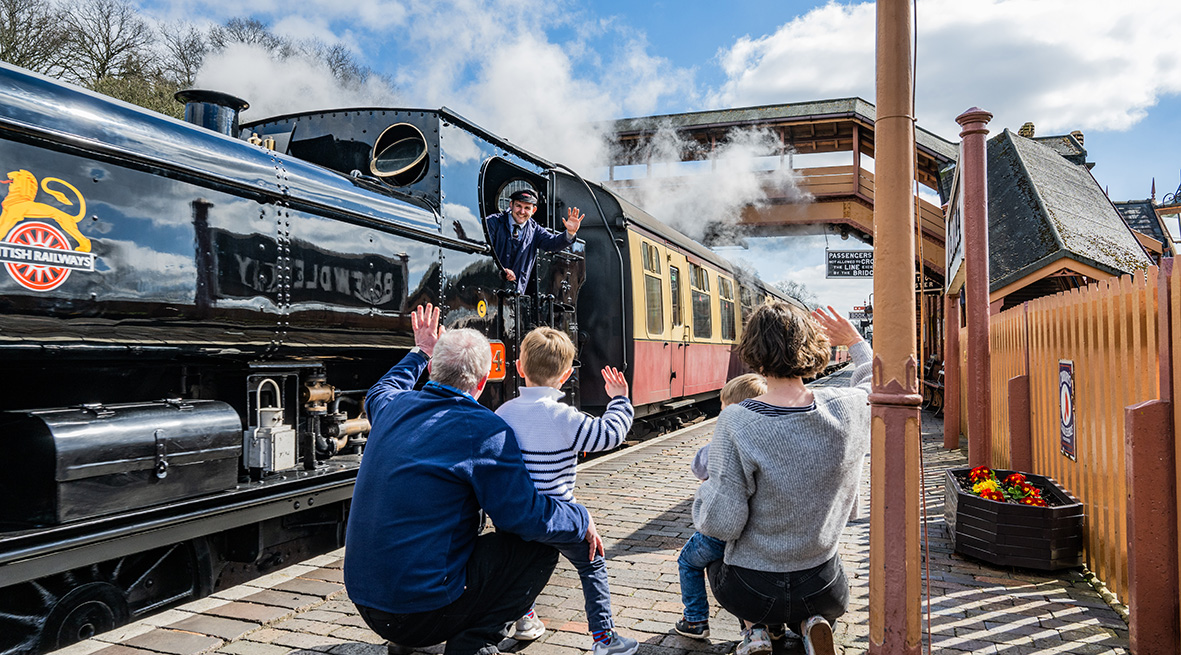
[
  {"x": 83, "y": 613},
  {"x": 58, "y": 610}
]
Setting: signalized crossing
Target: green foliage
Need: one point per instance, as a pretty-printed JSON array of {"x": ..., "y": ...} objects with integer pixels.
[{"x": 153, "y": 92}]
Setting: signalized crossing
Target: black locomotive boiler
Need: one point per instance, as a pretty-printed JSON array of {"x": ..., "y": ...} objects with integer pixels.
[{"x": 191, "y": 313}]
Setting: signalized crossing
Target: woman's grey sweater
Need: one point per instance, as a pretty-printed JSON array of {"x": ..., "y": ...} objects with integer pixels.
[{"x": 781, "y": 488}]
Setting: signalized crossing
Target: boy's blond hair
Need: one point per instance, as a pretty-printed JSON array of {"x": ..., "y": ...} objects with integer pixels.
[
  {"x": 546, "y": 354},
  {"x": 743, "y": 387}
]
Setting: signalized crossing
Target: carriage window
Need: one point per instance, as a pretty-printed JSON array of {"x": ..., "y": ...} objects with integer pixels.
[
  {"x": 674, "y": 282},
  {"x": 726, "y": 298},
  {"x": 654, "y": 301},
  {"x": 702, "y": 302},
  {"x": 651, "y": 257}
]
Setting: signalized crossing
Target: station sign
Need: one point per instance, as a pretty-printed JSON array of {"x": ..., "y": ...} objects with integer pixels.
[{"x": 848, "y": 263}]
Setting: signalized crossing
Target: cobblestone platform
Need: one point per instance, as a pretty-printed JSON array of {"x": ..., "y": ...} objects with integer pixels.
[{"x": 640, "y": 498}]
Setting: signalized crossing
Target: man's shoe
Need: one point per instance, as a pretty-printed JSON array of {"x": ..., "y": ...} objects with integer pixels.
[
  {"x": 528, "y": 628},
  {"x": 755, "y": 641},
  {"x": 397, "y": 649},
  {"x": 818, "y": 637},
  {"x": 618, "y": 645},
  {"x": 692, "y": 629}
]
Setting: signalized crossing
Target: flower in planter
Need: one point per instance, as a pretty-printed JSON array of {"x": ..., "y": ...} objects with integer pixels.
[{"x": 1014, "y": 489}]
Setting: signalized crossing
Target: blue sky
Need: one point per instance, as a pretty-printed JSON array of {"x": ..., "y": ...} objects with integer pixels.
[{"x": 540, "y": 71}]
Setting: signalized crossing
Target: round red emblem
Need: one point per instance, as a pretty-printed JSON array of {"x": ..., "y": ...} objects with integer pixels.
[{"x": 38, "y": 277}]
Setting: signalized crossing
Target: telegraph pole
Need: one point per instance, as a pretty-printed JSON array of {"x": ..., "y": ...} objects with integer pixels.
[{"x": 895, "y": 627}]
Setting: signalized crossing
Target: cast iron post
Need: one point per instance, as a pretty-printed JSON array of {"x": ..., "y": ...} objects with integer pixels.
[
  {"x": 894, "y": 582},
  {"x": 974, "y": 189}
]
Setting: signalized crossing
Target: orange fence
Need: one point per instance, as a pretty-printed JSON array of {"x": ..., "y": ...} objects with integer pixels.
[{"x": 1108, "y": 334}]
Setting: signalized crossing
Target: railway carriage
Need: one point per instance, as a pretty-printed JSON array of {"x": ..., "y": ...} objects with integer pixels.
[{"x": 190, "y": 316}]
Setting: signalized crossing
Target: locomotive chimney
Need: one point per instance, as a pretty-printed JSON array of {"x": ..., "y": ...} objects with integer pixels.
[{"x": 212, "y": 110}]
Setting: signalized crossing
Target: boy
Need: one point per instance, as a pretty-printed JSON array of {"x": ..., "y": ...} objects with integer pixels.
[
  {"x": 551, "y": 435},
  {"x": 700, "y": 550}
]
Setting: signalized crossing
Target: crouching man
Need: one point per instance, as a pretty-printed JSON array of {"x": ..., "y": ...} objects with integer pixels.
[{"x": 415, "y": 564}]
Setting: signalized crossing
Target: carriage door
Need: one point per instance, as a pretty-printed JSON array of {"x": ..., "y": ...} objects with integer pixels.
[{"x": 680, "y": 332}]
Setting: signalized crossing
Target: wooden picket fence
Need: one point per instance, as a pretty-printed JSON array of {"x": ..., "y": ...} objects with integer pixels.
[{"x": 1108, "y": 332}]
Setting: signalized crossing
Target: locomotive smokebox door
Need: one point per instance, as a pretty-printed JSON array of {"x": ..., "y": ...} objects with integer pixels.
[{"x": 92, "y": 460}]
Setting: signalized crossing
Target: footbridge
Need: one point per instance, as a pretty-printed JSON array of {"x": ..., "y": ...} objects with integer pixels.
[{"x": 838, "y": 192}]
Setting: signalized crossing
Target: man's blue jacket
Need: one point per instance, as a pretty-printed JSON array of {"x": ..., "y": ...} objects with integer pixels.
[
  {"x": 520, "y": 253},
  {"x": 434, "y": 458}
]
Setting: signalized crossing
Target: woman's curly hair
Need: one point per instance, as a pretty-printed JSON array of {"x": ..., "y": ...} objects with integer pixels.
[{"x": 782, "y": 341}]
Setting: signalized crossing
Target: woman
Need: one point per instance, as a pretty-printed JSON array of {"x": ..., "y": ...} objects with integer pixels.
[{"x": 784, "y": 469}]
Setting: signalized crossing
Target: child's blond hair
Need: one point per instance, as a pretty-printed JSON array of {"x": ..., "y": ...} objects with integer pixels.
[
  {"x": 743, "y": 387},
  {"x": 546, "y": 354}
]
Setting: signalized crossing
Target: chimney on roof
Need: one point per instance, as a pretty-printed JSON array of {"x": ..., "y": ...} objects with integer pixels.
[
  {"x": 1078, "y": 136},
  {"x": 1026, "y": 130}
]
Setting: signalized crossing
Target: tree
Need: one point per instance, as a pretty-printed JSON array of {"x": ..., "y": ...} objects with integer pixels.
[
  {"x": 107, "y": 38},
  {"x": 185, "y": 48},
  {"x": 799, "y": 291},
  {"x": 32, "y": 35}
]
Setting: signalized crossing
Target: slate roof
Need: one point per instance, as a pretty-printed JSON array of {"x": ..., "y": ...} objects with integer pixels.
[
  {"x": 1043, "y": 207},
  {"x": 1140, "y": 215},
  {"x": 1067, "y": 146}
]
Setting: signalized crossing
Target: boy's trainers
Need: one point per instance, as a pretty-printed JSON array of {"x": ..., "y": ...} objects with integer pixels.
[
  {"x": 818, "y": 637},
  {"x": 692, "y": 629},
  {"x": 618, "y": 645},
  {"x": 755, "y": 641},
  {"x": 528, "y": 628}
]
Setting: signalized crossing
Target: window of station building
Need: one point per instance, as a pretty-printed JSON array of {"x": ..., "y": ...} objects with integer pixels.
[
  {"x": 702, "y": 302},
  {"x": 674, "y": 282},
  {"x": 726, "y": 299}
]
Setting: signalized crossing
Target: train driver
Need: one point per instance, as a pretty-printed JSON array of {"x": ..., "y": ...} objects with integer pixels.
[{"x": 516, "y": 237}]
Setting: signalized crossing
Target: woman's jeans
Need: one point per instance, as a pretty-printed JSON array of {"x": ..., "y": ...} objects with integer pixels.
[
  {"x": 781, "y": 598},
  {"x": 699, "y": 552}
]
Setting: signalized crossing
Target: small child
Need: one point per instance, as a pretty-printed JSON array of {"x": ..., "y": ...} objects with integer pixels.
[
  {"x": 701, "y": 550},
  {"x": 551, "y": 435}
]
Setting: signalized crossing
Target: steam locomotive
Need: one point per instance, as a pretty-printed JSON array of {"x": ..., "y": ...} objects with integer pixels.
[{"x": 191, "y": 313}]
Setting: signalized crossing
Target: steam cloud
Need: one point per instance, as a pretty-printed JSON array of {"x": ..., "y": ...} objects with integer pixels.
[
  {"x": 293, "y": 84},
  {"x": 705, "y": 199}
]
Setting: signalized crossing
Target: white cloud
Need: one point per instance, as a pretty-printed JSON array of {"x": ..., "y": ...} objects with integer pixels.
[{"x": 1063, "y": 64}]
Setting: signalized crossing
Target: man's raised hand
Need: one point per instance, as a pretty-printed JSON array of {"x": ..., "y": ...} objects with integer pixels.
[
  {"x": 425, "y": 322},
  {"x": 573, "y": 220}
]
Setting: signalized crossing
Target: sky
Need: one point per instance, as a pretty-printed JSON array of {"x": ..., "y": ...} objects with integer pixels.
[{"x": 544, "y": 72}]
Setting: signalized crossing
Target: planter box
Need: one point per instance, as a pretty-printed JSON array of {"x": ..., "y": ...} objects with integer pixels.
[{"x": 1009, "y": 534}]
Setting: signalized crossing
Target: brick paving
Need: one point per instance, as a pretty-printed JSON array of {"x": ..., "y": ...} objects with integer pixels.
[{"x": 641, "y": 498}]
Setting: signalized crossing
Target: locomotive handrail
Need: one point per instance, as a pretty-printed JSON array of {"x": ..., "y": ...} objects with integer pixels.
[{"x": 92, "y": 148}]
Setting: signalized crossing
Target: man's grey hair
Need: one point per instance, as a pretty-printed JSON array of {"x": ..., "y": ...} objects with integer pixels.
[{"x": 461, "y": 358}]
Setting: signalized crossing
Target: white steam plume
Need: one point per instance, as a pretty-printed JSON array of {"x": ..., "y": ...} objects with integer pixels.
[
  {"x": 706, "y": 198},
  {"x": 281, "y": 86}
]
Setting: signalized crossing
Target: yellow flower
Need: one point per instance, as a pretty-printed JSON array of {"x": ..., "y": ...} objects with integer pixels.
[{"x": 985, "y": 484}]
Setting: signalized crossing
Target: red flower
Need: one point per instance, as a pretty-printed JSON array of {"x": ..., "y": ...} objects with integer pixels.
[
  {"x": 1015, "y": 479},
  {"x": 993, "y": 494}
]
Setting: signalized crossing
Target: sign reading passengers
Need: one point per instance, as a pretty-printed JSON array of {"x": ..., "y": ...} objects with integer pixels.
[{"x": 849, "y": 263}]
